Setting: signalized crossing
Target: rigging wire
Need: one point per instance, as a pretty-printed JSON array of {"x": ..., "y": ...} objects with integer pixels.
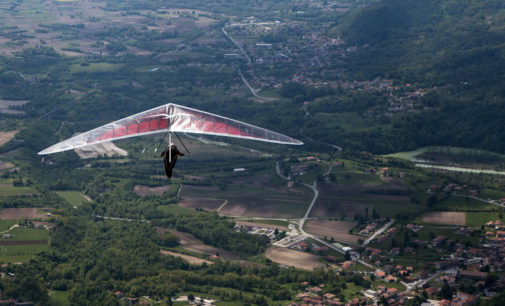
[
  {"x": 159, "y": 145},
  {"x": 189, "y": 153}
]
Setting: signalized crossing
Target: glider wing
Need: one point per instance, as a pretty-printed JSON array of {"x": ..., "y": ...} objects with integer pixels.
[{"x": 170, "y": 117}]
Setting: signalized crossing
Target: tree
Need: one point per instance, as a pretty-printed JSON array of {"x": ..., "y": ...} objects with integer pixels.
[
  {"x": 446, "y": 291},
  {"x": 432, "y": 201},
  {"x": 191, "y": 298}
]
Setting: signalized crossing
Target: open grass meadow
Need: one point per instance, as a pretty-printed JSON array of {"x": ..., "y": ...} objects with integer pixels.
[
  {"x": 6, "y": 224},
  {"x": 58, "y": 298},
  {"x": 175, "y": 209},
  {"x": 20, "y": 253},
  {"x": 492, "y": 194},
  {"x": 95, "y": 67},
  {"x": 25, "y": 234},
  {"x": 457, "y": 203},
  {"x": 23, "y": 252},
  {"x": 74, "y": 198},
  {"x": 359, "y": 178},
  {"x": 477, "y": 219},
  {"x": 9, "y": 190}
]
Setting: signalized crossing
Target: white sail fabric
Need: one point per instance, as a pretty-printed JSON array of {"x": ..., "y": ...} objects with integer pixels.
[{"x": 170, "y": 117}]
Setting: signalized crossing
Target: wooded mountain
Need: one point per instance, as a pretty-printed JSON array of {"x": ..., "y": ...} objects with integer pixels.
[
  {"x": 435, "y": 42},
  {"x": 454, "y": 48}
]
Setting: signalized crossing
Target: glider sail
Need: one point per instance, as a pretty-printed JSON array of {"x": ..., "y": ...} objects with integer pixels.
[{"x": 174, "y": 118}]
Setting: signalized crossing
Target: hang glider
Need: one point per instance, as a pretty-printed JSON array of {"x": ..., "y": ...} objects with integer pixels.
[{"x": 172, "y": 118}]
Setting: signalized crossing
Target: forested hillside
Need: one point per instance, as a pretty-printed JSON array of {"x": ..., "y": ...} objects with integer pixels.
[
  {"x": 434, "y": 42},
  {"x": 453, "y": 50}
]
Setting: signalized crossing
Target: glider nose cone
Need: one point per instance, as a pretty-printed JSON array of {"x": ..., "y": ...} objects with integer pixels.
[{"x": 45, "y": 151}]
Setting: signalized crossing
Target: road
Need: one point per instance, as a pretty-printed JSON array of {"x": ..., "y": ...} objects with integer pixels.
[
  {"x": 478, "y": 199},
  {"x": 253, "y": 91},
  {"x": 222, "y": 205},
  {"x": 421, "y": 282},
  {"x": 385, "y": 227},
  {"x": 249, "y": 62},
  {"x": 313, "y": 187},
  {"x": 459, "y": 169},
  {"x": 14, "y": 226},
  {"x": 123, "y": 219}
]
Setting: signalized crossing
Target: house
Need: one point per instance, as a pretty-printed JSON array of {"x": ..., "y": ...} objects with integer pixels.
[
  {"x": 7, "y": 236},
  {"x": 302, "y": 245},
  {"x": 409, "y": 250},
  {"x": 316, "y": 289},
  {"x": 432, "y": 291},
  {"x": 446, "y": 264},
  {"x": 472, "y": 275},
  {"x": 239, "y": 170},
  {"x": 465, "y": 299},
  {"x": 500, "y": 234},
  {"x": 329, "y": 296},
  {"x": 320, "y": 249},
  {"x": 119, "y": 294},
  {"x": 385, "y": 171},
  {"x": 380, "y": 274},
  {"x": 391, "y": 279},
  {"x": 392, "y": 291},
  {"x": 439, "y": 240},
  {"x": 395, "y": 251},
  {"x": 330, "y": 258}
]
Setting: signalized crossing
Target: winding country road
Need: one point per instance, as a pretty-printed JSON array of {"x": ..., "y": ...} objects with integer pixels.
[
  {"x": 313, "y": 187},
  {"x": 249, "y": 63}
]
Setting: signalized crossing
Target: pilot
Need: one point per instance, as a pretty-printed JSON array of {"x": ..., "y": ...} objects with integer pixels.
[{"x": 169, "y": 164}]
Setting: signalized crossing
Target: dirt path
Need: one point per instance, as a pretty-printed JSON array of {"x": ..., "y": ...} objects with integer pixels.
[
  {"x": 191, "y": 259},
  {"x": 6, "y": 136}
]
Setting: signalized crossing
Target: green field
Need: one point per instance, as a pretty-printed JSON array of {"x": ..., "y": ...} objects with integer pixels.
[
  {"x": 23, "y": 234},
  {"x": 95, "y": 67},
  {"x": 175, "y": 209},
  {"x": 477, "y": 219},
  {"x": 358, "y": 178},
  {"x": 464, "y": 204},
  {"x": 6, "y": 224},
  {"x": 75, "y": 198},
  {"x": 14, "y": 191},
  {"x": 23, "y": 253},
  {"x": 408, "y": 155},
  {"x": 492, "y": 194},
  {"x": 58, "y": 297},
  {"x": 20, "y": 253}
]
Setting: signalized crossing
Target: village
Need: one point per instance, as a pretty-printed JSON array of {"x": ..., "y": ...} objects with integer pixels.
[{"x": 461, "y": 276}]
